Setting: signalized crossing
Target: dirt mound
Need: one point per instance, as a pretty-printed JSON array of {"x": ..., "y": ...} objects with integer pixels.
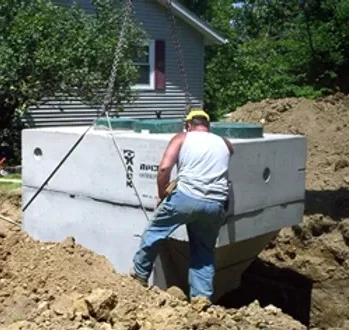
[
  {"x": 319, "y": 247},
  {"x": 325, "y": 122},
  {"x": 65, "y": 286}
]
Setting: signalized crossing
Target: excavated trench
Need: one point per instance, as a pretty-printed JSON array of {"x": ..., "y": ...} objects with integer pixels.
[
  {"x": 304, "y": 271},
  {"x": 309, "y": 290},
  {"x": 283, "y": 288},
  {"x": 305, "y": 289}
]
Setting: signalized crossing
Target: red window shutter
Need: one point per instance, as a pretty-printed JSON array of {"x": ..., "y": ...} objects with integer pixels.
[{"x": 160, "y": 64}]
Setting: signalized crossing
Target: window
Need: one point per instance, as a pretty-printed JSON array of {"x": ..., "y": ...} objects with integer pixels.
[{"x": 145, "y": 66}]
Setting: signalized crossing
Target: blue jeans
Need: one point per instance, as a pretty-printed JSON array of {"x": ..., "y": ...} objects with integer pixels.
[{"x": 203, "y": 219}]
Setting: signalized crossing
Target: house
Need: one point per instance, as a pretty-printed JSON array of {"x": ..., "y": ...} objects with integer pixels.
[{"x": 159, "y": 87}]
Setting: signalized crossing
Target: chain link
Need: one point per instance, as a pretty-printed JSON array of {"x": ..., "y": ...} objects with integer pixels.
[
  {"x": 108, "y": 97},
  {"x": 118, "y": 55},
  {"x": 127, "y": 10},
  {"x": 180, "y": 61}
]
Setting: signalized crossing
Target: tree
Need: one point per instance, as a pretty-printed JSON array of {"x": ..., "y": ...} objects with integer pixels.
[
  {"x": 276, "y": 49},
  {"x": 199, "y": 7},
  {"x": 48, "y": 50}
]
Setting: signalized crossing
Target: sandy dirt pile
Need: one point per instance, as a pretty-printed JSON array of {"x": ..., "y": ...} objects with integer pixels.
[
  {"x": 65, "y": 286},
  {"x": 319, "y": 247},
  {"x": 325, "y": 122}
]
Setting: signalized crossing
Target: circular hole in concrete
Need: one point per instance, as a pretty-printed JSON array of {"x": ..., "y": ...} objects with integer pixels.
[
  {"x": 37, "y": 153},
  {"x": 266, "y": 174}
]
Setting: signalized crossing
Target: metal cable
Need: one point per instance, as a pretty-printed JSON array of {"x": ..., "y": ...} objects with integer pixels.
[
  {"x": 107, "y": 100},
  {"x": 31, "y": 200},
  {"x": 108, "y": 96},
  {"x": 125, "y": 167}
]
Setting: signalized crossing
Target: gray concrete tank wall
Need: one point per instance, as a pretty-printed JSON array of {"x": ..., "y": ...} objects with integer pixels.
[{"x": 90, "y": 197}]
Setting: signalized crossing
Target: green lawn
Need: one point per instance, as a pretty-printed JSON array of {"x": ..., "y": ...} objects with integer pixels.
[
  {"x": 8, "y": 186},
  {"x": 12, "y": 176},
  {"x": 4, "y": 186}
]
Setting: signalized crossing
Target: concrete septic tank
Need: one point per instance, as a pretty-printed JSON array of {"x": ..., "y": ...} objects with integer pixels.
[{"x": 91, "y": 197}]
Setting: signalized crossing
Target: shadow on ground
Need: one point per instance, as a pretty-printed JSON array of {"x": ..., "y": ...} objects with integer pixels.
[
  {"x": 269, "y": 284},
  {"x": 332, "y": 203}
]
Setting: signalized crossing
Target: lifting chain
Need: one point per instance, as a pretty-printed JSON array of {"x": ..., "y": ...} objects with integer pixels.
[
  {"x": 127, "y": 10},
  {"x": 109, "y": 94},
  {"x": 118, "y": 54},
  {"x": 181, "y": 67}
]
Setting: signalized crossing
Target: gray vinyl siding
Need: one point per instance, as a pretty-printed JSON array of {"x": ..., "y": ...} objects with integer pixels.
[
  {"x": 156, "y": 23},
  {"x": 154, "y": 19}
]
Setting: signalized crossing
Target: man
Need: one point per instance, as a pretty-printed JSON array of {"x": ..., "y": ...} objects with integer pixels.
[{"x": 198, "y": 201}]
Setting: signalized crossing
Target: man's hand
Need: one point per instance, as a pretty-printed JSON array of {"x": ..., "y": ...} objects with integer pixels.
[{"x": 168, "y": 161}]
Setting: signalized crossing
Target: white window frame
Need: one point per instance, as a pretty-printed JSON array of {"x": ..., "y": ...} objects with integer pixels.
[{"x": 151, "y": 86}]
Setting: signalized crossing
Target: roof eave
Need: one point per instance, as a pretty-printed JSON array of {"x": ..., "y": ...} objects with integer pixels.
[{"x": 212, "y": 37}]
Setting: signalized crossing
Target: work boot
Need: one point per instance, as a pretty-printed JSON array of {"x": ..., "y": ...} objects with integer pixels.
[{"x": 140, "y": 280}]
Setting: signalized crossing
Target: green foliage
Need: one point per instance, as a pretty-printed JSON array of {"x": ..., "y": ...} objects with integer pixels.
[
  {"x": 7, "y": 187},
  {"x": 276, "y": 49},
  {"x": 10, "y": 138},
  {"x": 48, "y": 50},
  {"x": 199, "y": 7}
]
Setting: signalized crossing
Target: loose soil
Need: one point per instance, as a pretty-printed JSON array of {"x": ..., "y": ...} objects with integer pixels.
[
  {"x": 63, "y": 286},
  {"x": 66, "y": 286},
  {"x": 318, "y": 249}
]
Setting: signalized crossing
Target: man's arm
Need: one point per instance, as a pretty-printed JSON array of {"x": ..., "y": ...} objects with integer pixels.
[{"x": 169, "y": 159}]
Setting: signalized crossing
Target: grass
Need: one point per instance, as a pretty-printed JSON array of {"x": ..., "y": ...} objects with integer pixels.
[
  {"x": 9, "y": 186},
  {"x": 12, "y": 176},
  {"x": 4, "y": 186}
]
